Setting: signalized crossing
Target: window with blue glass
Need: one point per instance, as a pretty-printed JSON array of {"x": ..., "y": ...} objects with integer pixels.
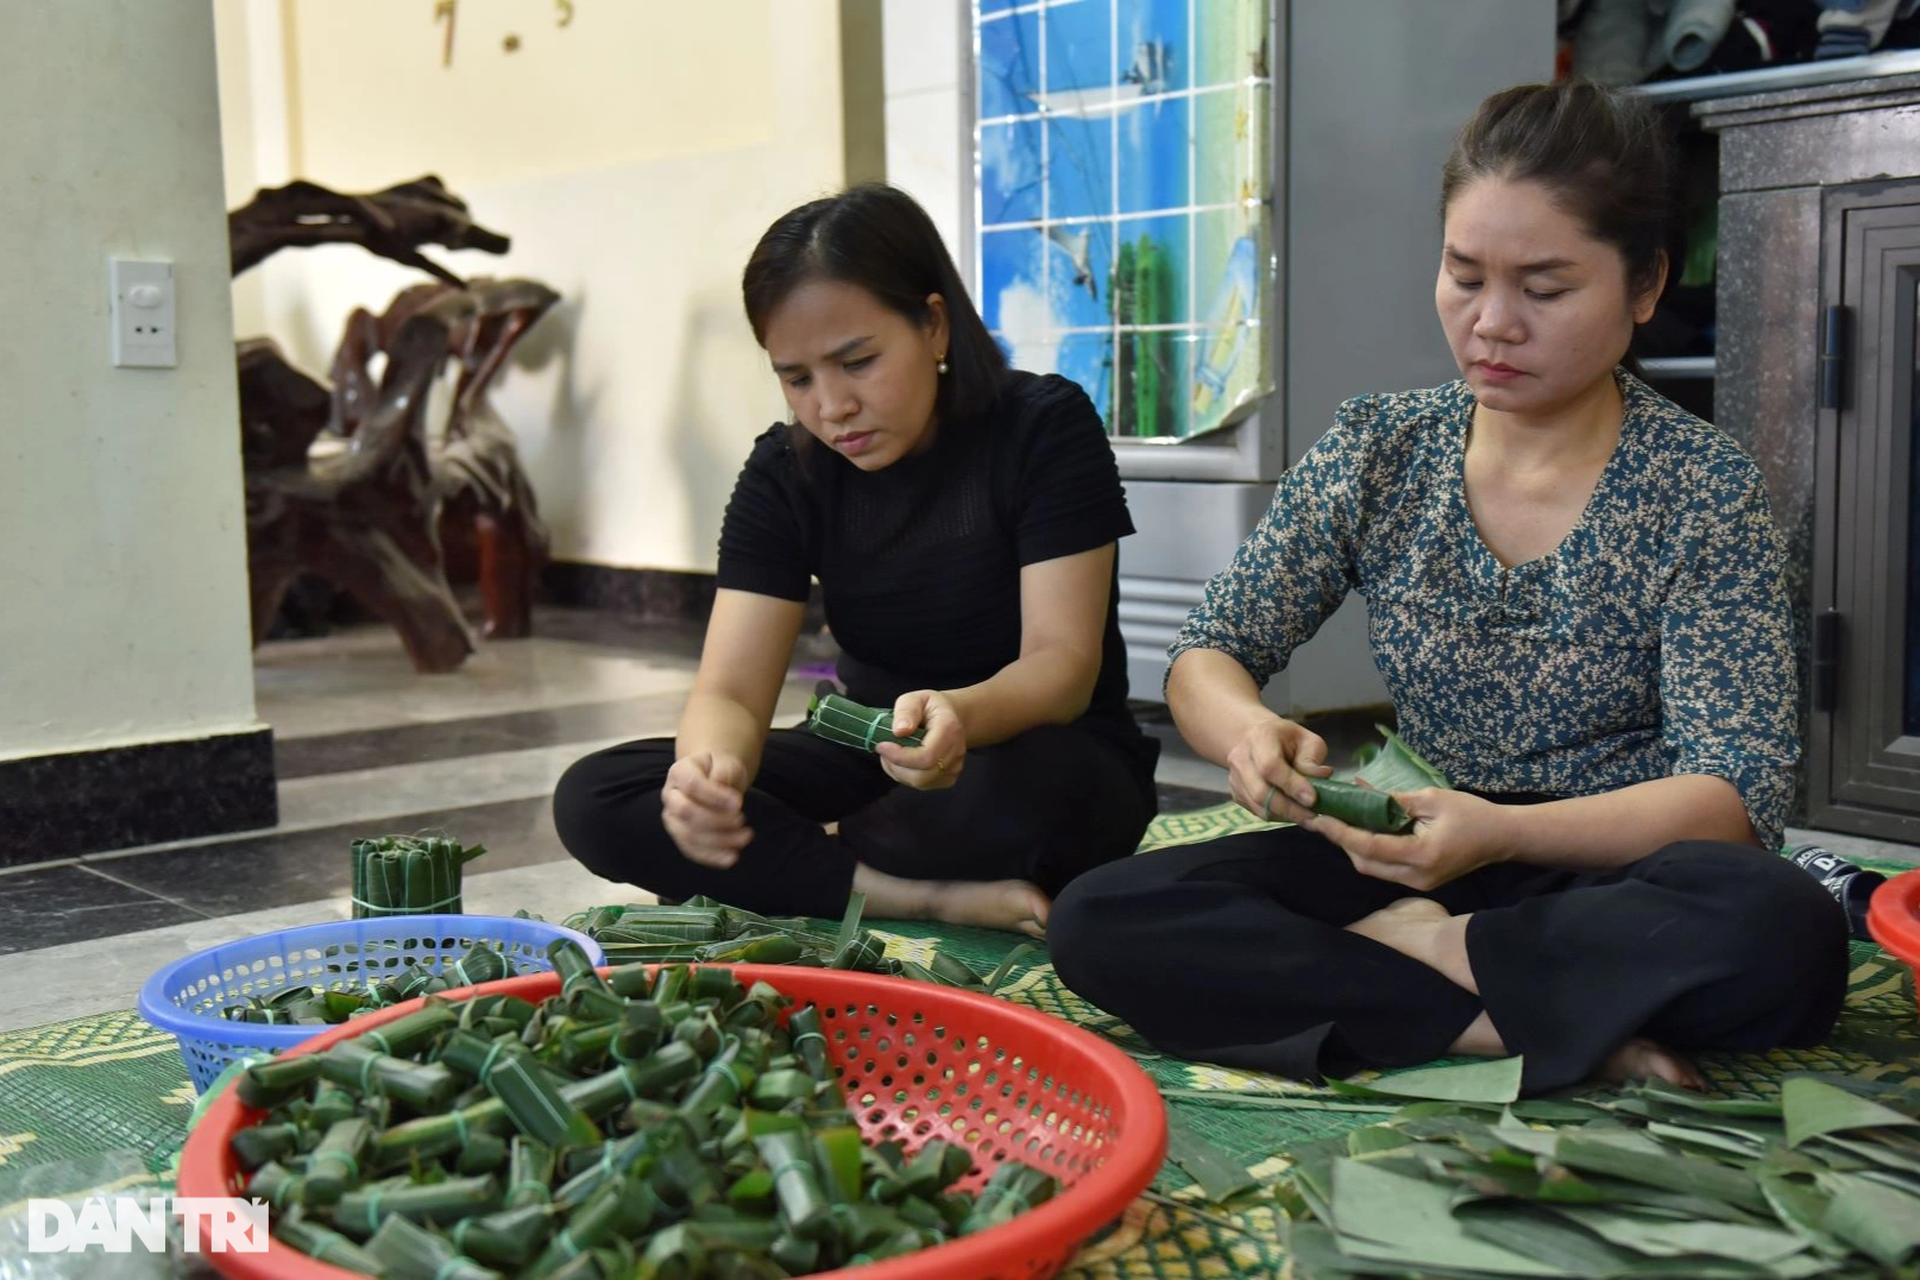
[{"x": 1123, "y": 202}]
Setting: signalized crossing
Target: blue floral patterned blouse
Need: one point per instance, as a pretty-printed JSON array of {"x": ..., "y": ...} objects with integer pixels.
[{"x": 1654, "y": 640}]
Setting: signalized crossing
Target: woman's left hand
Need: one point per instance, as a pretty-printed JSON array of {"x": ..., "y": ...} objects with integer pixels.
[
  {"x": 1453, "y": 833},
  {"x": 937, "y": 762}
]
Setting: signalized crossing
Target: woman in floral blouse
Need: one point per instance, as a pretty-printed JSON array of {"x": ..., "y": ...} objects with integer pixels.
[{"x": 1575, "y": 600}]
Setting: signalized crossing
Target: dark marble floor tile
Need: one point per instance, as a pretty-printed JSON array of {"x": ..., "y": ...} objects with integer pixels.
[
  {"x": 674, "y": 638},
  {"x": 478, "y": 735},
  {"x": 76, "y": 802},
  {"x": 651, "y": 594},
  {"x": 668, "y": 639},
  {"x": 253, "y": 873},
  {"x": 57, "y": 905}
]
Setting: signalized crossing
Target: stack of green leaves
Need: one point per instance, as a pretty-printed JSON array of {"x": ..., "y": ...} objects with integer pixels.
[
  {"x": 319, "y": 1006},
  {"x": 845, "y": 721},
  {"x": 664, "y": 1125},
  {"x": 1384, "y": 769},
  {"x": 1652, "y": 1180},
  {"x": 408, "y": 875},
  {"x": 702, "y": 930}
]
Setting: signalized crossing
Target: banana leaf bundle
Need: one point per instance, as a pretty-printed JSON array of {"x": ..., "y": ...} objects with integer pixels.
[
  {"x": 672, "y": 1125},
  {"x": 318, "y": 1006},
  {"x": 1652, "y": 1180},
  {"x": 702, "y": 930},
  {"x": 406, "y": 1250},
  {"x": 301, "y": 1006},
  {"x": 842, "y": 720},
  {"x": 408, "y": 875},
  {"x": 1385, "y": 769}
]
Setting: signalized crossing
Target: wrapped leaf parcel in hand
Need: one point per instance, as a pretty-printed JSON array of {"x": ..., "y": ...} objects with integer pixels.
[
  {"x": 408, "y": 875},
  {"x": 1387, "y": 769},
  {"x": 843, "y": 720},
  {"x": 1357, "y": 806}
]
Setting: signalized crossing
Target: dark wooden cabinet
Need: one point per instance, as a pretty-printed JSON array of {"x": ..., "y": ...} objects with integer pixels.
[
  {"x": 1815, "y": 366},
  {"x": 1864, "y": 750}
]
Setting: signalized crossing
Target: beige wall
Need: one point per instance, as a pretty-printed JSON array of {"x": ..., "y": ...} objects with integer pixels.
[
  {"x": 927, "y": 131},
  {"x": 634, "y": 156},
  {"x": 123, "y": 607}
]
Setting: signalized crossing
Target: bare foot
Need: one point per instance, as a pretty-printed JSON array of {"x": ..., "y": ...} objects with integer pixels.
[
  {"x": 1401, "y": 925},
  {"x": 1643, "y": 1059},
  {"x": 990, "y": 904}
]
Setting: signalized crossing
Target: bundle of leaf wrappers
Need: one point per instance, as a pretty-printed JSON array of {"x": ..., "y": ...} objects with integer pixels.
[
  {"x": 632, "y": 1125},
  {"x": 702, "y": 930},
  {"x": 852, "y": 724},
  {"x": 408, "y": 875},
  {"x": 1650, "y": 1181},
  {"x": 1384, "y": 769},
  {"x": 314, "y": 1006}
]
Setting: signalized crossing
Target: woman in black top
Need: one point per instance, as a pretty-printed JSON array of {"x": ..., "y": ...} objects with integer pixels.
[{"x": 962, "y": 521}]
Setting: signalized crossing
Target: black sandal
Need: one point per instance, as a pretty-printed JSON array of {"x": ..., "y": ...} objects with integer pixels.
[{"x": 1852, "y": 886}]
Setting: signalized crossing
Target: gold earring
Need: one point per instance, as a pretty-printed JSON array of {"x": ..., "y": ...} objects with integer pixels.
[{"x": 942, "y": 366}]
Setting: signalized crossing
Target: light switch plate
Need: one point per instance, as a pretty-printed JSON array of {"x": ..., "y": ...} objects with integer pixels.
[{"x": 142, "y": 314}]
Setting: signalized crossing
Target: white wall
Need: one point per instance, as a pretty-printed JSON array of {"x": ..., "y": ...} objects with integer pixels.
[
  {"x": 123, "y": 606},
  {"x": 925, "y": 118},
  {"x": 254, "y": 133},
  {"x": 634, "y": 157}
]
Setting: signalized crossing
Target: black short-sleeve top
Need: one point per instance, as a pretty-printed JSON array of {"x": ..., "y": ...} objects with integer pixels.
[{"x": 919, "y": 564}]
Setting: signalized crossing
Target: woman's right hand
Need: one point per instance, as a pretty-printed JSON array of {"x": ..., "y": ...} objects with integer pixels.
[
  {"x": 1271, "y": 767},
  {"x": 701, "y": 805}
]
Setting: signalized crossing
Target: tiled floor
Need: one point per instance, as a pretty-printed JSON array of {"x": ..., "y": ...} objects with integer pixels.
[{"x": 364, "y": 746}]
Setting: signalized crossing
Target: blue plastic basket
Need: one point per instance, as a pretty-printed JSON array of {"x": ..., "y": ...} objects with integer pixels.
[{"x": 187, "y": 996}]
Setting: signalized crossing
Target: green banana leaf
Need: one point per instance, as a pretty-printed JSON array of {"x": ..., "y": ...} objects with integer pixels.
[
  {"x": 1814, "y": 1108},
  {"x": 1494, "y": 1080},
  {"x": 1395, "y": 766},
  {"x": 1650, "y": 1181}
]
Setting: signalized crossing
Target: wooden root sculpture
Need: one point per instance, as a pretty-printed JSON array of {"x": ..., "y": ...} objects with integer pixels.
[
  {"x": 393, "y": 224},
  {"x": 370, "y": 519},
  {"x": 489, "y": 525}
]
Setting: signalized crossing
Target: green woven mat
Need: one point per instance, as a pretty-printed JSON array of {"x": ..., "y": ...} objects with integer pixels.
[
  {"x": 88, "y": 1103},
  {"x": 73, "y": 1092}
]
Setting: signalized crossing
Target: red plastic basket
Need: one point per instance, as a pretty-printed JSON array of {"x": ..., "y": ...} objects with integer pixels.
[
  {"x": 1893, "y": 917},
  {"x": 917, "y": 1061}
]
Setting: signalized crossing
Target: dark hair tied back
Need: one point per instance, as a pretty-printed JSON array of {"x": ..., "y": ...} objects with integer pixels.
[
  {"x": 1603, "y": 154},
  {"x": 875, "y": 236}
]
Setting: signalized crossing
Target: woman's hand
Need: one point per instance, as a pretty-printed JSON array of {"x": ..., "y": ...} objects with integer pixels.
[
  {"x": 1453, "y": 833},
  {"x": 701, "y": 808},
  {"x": 937, "y": 762},
  {"x": 1270, "y": 770}
]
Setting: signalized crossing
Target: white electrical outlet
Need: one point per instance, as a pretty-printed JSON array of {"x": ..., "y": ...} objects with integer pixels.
[{"x": 143, "y": 324}]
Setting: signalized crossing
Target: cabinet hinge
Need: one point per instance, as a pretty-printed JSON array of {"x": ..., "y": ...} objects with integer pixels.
[
  {"x": 1834, "y": 333},
  {"x": 1826, "y": 659}
]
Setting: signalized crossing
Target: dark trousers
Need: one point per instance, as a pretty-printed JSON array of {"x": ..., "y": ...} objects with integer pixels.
[
  {"x": 1235, "y": 952},
  {"x": 1044, "y": 806}
]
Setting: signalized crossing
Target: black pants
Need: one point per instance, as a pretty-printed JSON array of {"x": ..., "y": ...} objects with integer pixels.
[
  {"x": 1044, "y": 806},
  {"x": 1235, "y": 952}
]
